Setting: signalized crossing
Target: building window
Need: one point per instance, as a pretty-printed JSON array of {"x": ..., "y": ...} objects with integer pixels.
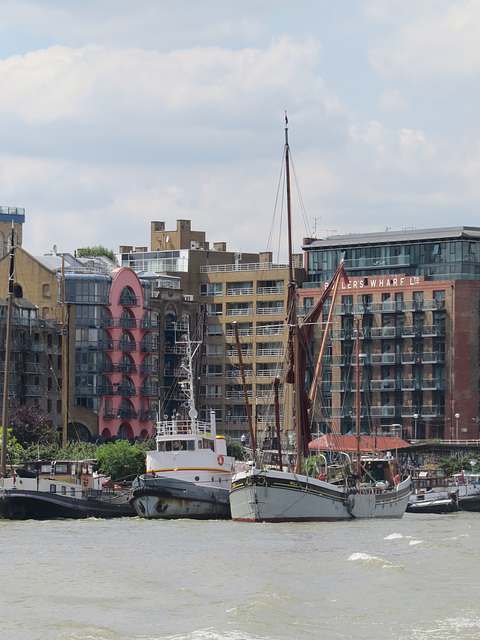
[{"x": 46, "y": 291}]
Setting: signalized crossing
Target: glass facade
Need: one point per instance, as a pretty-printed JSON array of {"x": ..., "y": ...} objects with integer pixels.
[
  {"x": 156, "y": 261},
  {"x": 434, "y": 256}
]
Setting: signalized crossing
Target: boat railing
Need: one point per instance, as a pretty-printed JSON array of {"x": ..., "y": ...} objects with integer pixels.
[{"x": 182, "y": 427}]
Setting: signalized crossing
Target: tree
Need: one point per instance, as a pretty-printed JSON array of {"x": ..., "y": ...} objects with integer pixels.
[
  {"x": 85, "y": 252},
  {"x": 235, "y": 448},
  {"x": 121, "y": 460},
  {"x": 29, "y": 425}
]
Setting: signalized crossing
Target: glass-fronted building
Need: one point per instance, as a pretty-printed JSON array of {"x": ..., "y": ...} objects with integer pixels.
[
  {"x": 415, "y": 295},
  {"x": 452, "y": 253}
]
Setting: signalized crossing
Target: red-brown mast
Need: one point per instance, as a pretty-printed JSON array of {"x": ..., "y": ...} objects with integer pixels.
[{"x": 358, "y": 395}]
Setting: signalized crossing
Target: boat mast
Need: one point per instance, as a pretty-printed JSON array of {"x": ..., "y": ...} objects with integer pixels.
[
  {"x": 276, "y": 406},
  {"x": 245, "y": 392},
  {"x": 357, "y": 395},
  {"x": 292, "y": 297},
  {"x": 6, "y": 377}
]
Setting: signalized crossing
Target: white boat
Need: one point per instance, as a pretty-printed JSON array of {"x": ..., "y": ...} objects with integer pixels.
[
  {"x": 189, "y": 473},
  {"x": 265, "y": 495}
]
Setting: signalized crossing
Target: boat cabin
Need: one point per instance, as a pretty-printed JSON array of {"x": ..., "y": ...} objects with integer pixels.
[
  {"x": 78, "y": 472},
  {"x": 380, "y": 470},
  {"x": 426, "y": 479}
]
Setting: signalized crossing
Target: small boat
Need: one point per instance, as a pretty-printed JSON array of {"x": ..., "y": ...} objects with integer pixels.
[
  {"x": 460, "y": 494},
  {"x": 262, "y": 494},
  {"x": 433, "y": 502},
  {"x": 45, "y": 490},
  {"x": 189, "y": 473}
]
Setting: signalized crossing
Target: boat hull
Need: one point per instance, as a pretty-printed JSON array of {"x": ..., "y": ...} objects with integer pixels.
[
  {"x": 169, "y": 498},
  {"x": 274, "y": 496},
  {"x": 21, "y": 504}
]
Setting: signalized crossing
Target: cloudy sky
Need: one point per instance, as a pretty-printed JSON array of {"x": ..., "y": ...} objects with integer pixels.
[{"x": 117, "y": 112}]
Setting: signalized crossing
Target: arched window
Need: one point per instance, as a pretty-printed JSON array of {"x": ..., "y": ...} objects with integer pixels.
[
  {"x": 126, "y": 410},
  {"x": 128, "y": 298},
  {"x": 126, "y": 387},
  {"x": 127, "y": 364},
  {"x": 150, "y": 365},
  {"x": 127, "y": 319},
  {"x": 127, "y": 343},
  {"x": 125, "y": 431},
  {"x": 150, "y": 388}
]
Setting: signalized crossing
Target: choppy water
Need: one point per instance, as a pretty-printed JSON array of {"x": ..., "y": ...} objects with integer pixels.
[{"x": 135, "y": 579}]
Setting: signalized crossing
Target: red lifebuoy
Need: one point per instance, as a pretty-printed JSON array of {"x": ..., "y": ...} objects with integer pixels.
[
  {"x": 322, "y": 476},
  {"x": 220, "y": 460},
  {"x": 85, "y": 481},
  {"x": 397, "y": 479}
]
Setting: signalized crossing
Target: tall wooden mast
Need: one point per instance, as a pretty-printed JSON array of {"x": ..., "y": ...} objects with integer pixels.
[
  {"x": 358, "y": 396},
  {"x": 292, "y": 312}
]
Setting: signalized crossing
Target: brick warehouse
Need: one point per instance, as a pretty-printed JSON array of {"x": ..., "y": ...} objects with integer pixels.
[{"x": 416, "y": 294}]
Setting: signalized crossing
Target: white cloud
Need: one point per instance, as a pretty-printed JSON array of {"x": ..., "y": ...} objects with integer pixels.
[{"x": 434, "y": 37}]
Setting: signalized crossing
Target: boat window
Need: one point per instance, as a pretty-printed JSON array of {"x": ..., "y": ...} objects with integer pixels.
[
  {"x": 200, "y": 444},
  {"x": 45, "y": 468},
  {"x": 161, "y": 446},
  {"x": 72, "y": 491},
  {"x": 61, "y": 468},
  {"x": 191, "y": 445},
  {"x": 53, "y": 488},
  {"x": 176, "y": 445},
  {"x": 64, "y": 491},
  {"x": 208, "y": 444}
]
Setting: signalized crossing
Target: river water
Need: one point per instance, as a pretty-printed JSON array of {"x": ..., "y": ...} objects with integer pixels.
[{"x": 135, "y": 579}]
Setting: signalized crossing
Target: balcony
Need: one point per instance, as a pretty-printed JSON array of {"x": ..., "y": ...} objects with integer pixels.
[
  {"x": 383, "y": 358},
  {"x": 176, "y": 349},
  {"x": 431, "y": 411},
  {"x": 382, "y": 412},
  {"x": 408, "y": 331},
  {"x": 408, "y": 358},
  {"x": 268, "y": 393},
  {"x": 387, "y": 306},
  {"x": 247, "y": 311},
  {"x": 268, "y": 373},
  {"x": 278, "y": 353},
  {"x": 383, "y": 385},
  {"x": 270, "y": 311},
  {"x": 271, "y": 330},
  {"x": 149, "y": 392},
  {"x": 237, "y": 420},
  {"x": 125, "y": 391},
  {"x": 243, "y": 333},
  {"x": 129, "y": 301},
  {"x": 233, "y": 353},
  {"x": 245, "y": 291},
  {"x": 429, "y": 357},
  {"x": 270, "y": 291},
  {"x": 147, "y": 414},
  {"x": 237, "y": 395},
  {"x": 408, "y": 384},
  {"x": 236, "y": 373},
  {"x": 383, "y": 332}
]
